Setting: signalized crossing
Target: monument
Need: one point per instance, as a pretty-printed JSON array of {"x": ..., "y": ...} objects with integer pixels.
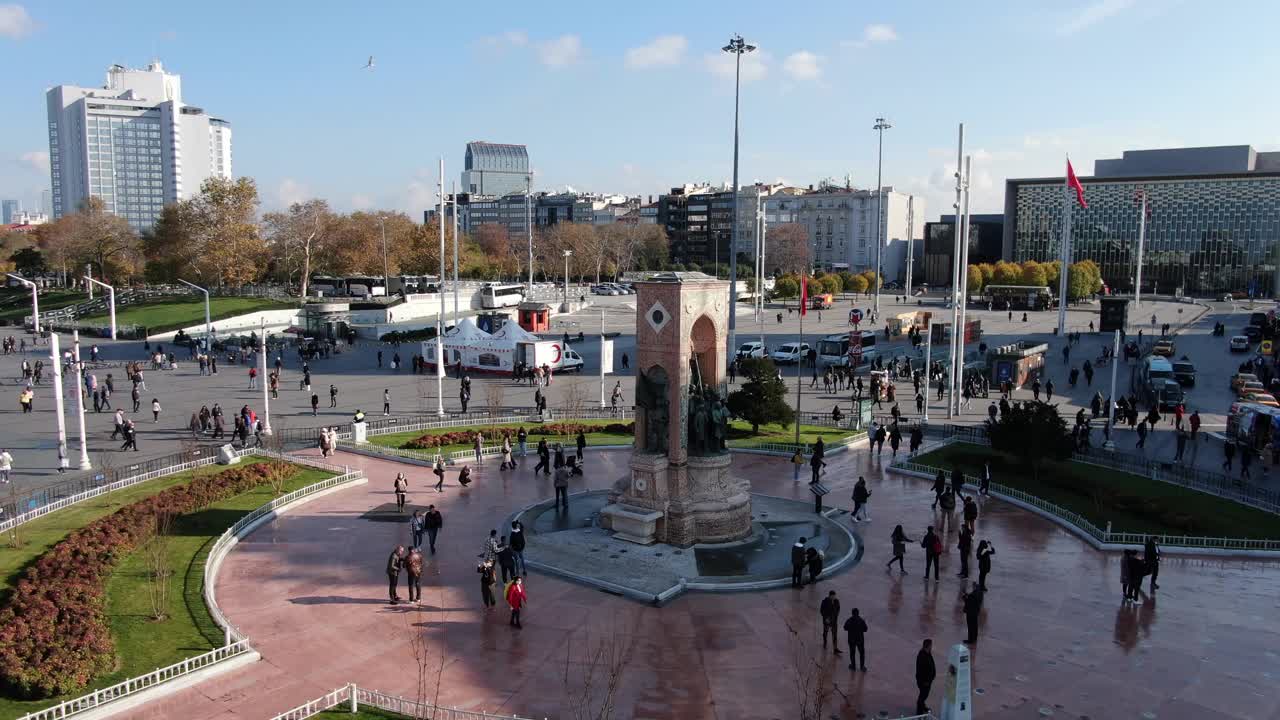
[{"x": 680, "y": 491}]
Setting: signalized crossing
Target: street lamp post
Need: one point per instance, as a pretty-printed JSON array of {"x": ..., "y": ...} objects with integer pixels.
[
  {"x": 55, "y": 357},
  {"x": 111, "y": 301},
  {"x": 455, "y": 254},
  {"x": 738, "y": 48},
  {"x": 386, "y": 276},
  {"x": 79, "y": 382},
  {"x": 440, "y": 320},
  {"x": 208, "y": 331},
  {"x": 955, "y": 273},
  {"x": 35, "y": 300},
  {"x": 528, "y": 226},
  {"x": 567, "y": 253},
  {"x": 880, "y": 126},
  {"x": 266, "y": 396},
  {"x": 88, "y": 275}
]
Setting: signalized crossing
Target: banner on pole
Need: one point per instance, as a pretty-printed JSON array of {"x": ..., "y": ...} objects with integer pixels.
[{"x": 606, "y": 356}]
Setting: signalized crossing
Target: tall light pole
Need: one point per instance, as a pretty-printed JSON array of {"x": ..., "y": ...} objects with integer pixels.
[
  {"x": 111, "y": 301},
  {"x": 964, "y": 282},
  {"x": 386, "y": 276},
  {"x": 880, "y": 126},
  {"x": 1142, "y": 234},
  {"x": 208, "y": 331},
  {"x": 56, "y": 360},
  {"x": 955, "y": 273},
  {"x": 528, "y": 226},
  {"x": 79, "y": 376},
  {"x": 266, "y": 396},
  {"x": 567, "y": 253},
  {"x": 88, "y": 275},
  {"x": 739, "y": 48},
  {"x": 455, "y": 254},
  {"x": 35, "y": 300},
  {"x": 440, "y": 320},
  {"x": 911, "y": 229}
]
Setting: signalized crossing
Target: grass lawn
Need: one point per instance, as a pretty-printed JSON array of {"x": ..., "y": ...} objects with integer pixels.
[
  {"x": 169, "y": 314},
  {"x": 143, "y": 644},
  {"x": 1131, "y": 503},
  {"x": 740, "y": 434},
  {"x": 398, "y": 440},
  {"x": 49, "y": 300},
  {"x": 364, "y": 714}
]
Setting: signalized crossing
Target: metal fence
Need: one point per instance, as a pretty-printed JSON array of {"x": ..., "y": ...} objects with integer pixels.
[{"x": 354, "y": 697}]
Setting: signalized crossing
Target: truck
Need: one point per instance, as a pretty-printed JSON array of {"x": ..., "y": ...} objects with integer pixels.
[{"x": 552, "y": 353}]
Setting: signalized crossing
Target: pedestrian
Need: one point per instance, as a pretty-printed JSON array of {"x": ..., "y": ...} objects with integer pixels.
[
  {"x": 6, "y": 465},
  {"x": 1151, "y": 558},
  {"x": 1229, "y": 452},
  {"x": 516, "y": 599},
  {"x": 506, "y": 560},
  {"x": 562, "y": 487},
  {"x": 413, "y": 564},
  {"x": 464, "y": 476},
  {"x": 516, "y": 543},
  {"x": 1246, "y": 459},
  {"x": 813, "y": 559},
  {"x": 856, "y": 630},
  {"x": 253, "y": 378},
  {"x": 1137, "y": 570},
  {"x": 984, "y": 484},
  {"x": 544, "y": 458},
  {"x": 860, "y": 497},
  {"x": 972, "y": 610},
  {"x": 932, "y": 545},
  {"x": 395, "y": 564},
  {"x": 899, "y": 539},
  {"x": 521, "y": 438},
  {"x": 582, "y": 445},
  {"x": 137, "y": 398},
  {"x": 333, "y": 396},
  {"x": 401, "y": 486},
  {"x": 829, "y": 610},
  {"x": 438, "y": 471},
  {"x": 926, "y": 671},
  {"x": 1142, "y": 438},
  {"x": 985, "y": 551},
  {"x": 25, "y": 399},
  {"x": 1182, "y": 444},
  {"x": 315, "y": 404},
  {"x": 432, "y": 522},
  {"x": 386, "y": 401},
  {"x": 417, "y": 526},
  {"x": 939, "y": 487},
  {"x": 965, "y": 545},
  {"x": 797, "y": 563},
  {"x": 957, "y": 480},
  {"x": 487, "y": 579}
]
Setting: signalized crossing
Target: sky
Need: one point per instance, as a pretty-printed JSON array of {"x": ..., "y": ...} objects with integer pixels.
[{"x": 637, "y": 97}]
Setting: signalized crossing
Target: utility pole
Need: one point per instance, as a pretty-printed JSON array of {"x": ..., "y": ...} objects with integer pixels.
[
  {"x": 528, "y": 225},
  {"x": 955, "y": 273},
  {"x": 911, "y": 219},
  {"x": 738, "y": 48},
  {"x": 79, "y": 381},
  {"x": 455, "y": 254},
  {"x": 440, "y": 320},
  {"x": 880, "y": 126},
  {"x": 964, "y": 282}
]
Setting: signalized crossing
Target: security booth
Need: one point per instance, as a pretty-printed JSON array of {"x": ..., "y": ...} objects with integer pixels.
[
  {"x": 1018, "y": 363},
  {"x": 535, "y": 317},
  {"x": 1114, "y": 315}
]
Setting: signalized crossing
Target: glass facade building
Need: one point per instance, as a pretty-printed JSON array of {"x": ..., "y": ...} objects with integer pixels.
[{"x": 1205, "y": 234}]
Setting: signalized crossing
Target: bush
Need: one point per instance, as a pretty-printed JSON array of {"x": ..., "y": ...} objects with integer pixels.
[
  {"x": 55, "y": 637},
  {"x": 467, "y": 436},
  {"x": 762, "y": 398}
]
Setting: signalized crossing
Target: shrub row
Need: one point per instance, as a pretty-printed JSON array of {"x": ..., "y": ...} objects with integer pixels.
[
  {"x": 494, "y": 434},
  {"x": 55, "y": 637}
]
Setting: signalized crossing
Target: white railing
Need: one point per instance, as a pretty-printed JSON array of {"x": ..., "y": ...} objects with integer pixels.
[
  {"x": 353, "y": 697},
  {"x": 389, "y": 427},
  {"x": 236, "y": 644}
]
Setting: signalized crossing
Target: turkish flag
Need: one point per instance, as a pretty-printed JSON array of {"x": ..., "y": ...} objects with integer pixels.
[
  {"x": 804, "y": 295},
  {"x": 1073, "y": 182}
]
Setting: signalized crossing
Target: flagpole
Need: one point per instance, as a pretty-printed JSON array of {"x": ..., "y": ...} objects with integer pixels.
[
  {"x": 804, "y": 284},
  {"x": 1066, "y": 252},
  {"x": 964, "y": 288},
  {"x": 955, "y": 275}
]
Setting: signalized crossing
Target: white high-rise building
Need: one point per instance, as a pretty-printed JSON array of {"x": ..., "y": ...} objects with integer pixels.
[{"x": 133, "y": 143}]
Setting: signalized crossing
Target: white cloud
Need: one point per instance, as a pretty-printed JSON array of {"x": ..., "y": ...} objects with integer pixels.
[
  {"x": 15, "y": 22},
  {"x": 360, "y": 201},
  {"x": 419, "y": 195},
  {"x": 560, "y": 52},
  {"x": 37, "y": 160},
  {"x": 518, "y": 38},
  {"x": 803, "y": 65},
  {"x": 755, "y": 65},
  {"x": 664, "y": 51},
  {"x": 871, "y": 34},
  {"x": 1092, "y": 14},
  {"x": 290, "y": 191}
]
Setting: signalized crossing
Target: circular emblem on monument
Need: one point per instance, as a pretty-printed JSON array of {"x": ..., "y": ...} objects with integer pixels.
[
  {"x": 640, "y": 484},
  {"x": 657, "y": 317}
]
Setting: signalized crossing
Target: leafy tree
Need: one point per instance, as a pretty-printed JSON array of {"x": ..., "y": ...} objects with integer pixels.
[
  {"x": 786, "y": 287},
  {"x": 872, "y": 282},
  {"x": 858, "y": 284},
  {"x": 988, "y": 274},
  {"x": 974, "y": 279},
  {"x": 1080, "y": 281},
  {"x": 831, "y": 284},
  {"x": 1052, "y": 273},
  {"x": 1032, "y": 274},
  {"x": 224, "y": 231},
  {"x": 28, "y": 261},
  {"x": 1033, "y": 432},
  {"x": 846, "y": 281},
  {"x": 167, "y": 246},
  {"x": 762, "y": 399}
]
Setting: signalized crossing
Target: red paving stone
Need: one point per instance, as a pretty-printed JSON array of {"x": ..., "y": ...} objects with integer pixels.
[{"x": 309, "y": 590}]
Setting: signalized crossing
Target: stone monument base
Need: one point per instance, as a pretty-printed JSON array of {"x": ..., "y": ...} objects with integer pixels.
[{"x": 694, "y": 502}]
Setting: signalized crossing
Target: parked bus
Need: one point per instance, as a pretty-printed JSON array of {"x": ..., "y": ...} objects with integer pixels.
[
  {"x": 836, "y": 349},
  {"x": 365, "y": 286},
  {"x": 1018, "y": 297},
  {"x": 498, "y": 296}
]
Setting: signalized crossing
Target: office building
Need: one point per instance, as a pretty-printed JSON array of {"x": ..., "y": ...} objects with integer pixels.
[
  {"x": 986, "y": 245},
  {"x": 496, "y": 169},
  {"x": 1213, "y": 221},
  {"x": 134, "y": 143},
  {"x": 8, "y": 209},
  {"x": 685, "y": 214},
  {"x": 841, "y": 225}
]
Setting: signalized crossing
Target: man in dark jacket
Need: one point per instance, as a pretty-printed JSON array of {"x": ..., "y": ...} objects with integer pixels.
[
  {"x": 516, "y": 542},
  {"x": 932, "y": 552},
  {"x": 830, "y": 612},
  {"x": 1151, "y": 558},
  {"x": 506, "y": 560},
  {"x": 856, "y": 628},
  {"x": 965, "y": 545},
  {"x": 432, "y": 522},
  {"x": 394, "y": 564},
  {"x": 925, "y": 673},
  {"x": 797, "y": 564},
  {"x": 544, "y": 458},
  {"x": 972, "y": 609}
]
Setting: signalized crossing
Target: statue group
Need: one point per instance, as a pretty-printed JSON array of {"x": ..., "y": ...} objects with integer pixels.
[{"x": 708, "y": 421}]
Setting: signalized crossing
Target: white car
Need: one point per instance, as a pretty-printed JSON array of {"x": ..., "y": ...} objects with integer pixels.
[
  {"x": 1240, "y": 343},
  {"x": 791, "y": 353},
  {"x": 753, "y": 349},
  {"x": 572, "y": 362}
]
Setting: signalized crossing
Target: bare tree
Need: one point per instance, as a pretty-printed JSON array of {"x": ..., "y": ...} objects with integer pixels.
[
  {"x": 15, "y": 538},
  {"x": 159, "y": 564},
  {"x": 275, "y": 443},
  {"x": 591, "y": 686},
  {"x": 298, "y": 235},
  {"x": 811, "y": 678},
  {"x": 788, "y": 248},
  {"x": 575, "y": 397},
  {"x": 493, "y": 396},
  {"x": 428, "y": 675}
]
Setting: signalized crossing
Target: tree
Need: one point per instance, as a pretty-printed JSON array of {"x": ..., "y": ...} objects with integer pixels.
[
  {"x": 91, "y": 235},
  {"x": 859, "y": 284},
  {"x": 832, "y": 284},
  {"x": 762, "y": 399},
  {"x": 167, "y": 247},
  {"x": 28, "y": 261},
  {"x": 787, "y": 248},
  {"x": 495, "y": 242},
  {"x": 974, "y": 275},
  {"x": 1052, "y": 273},
  {"x": 786, "y": 287},
  {"x": 1007, "y": 274},
  {"x": 1033, "y": 432},
  {"x": 225, "y": 233},
  {"x": 298, "y": 235},
  {"x": 159, "y": 564},
  {"x": 1032, "y": 274},
  {"x": 1080, "y": 281},
  {"x": 652, "y": 250},
  {"x": 988, "y": 273},
  {"x": 872, "y": 282}
]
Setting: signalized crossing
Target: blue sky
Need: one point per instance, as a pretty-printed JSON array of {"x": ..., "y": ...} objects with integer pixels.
[{"x": 635, "y": 97}]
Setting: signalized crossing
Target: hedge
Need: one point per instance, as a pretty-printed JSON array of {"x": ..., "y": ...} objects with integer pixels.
[
  {"x": 55, "y": 637},
  {"x": 463, "y": 437}
]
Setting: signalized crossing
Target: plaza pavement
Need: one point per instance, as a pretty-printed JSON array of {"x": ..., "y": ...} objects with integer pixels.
[
  {"x": 32, "y": 439},
  {"x": 309, "y": 589}
]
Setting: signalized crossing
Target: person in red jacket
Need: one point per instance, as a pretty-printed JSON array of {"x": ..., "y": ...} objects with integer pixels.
[{"x": 517, "y": 599}]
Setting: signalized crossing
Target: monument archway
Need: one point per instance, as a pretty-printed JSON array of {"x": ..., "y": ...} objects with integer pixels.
[{"x": 704, "y": 355}]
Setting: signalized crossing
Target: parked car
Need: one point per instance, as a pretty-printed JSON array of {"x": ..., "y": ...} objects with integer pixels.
[
  {"x": 1163, "y": 347},
  {"x": 1239, "y": 343},
  {"x": 790, "y": 353},
  {"x": 1247, "y": 389},
  {"x": 1262, "y": 398},
  {"x": 1240, "y": 379},
  {"x": 753, "y": 349},
  {"x": 1184, "y": 372}
]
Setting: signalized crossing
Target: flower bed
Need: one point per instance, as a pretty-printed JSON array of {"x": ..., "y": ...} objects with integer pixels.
[
  {"x": 55, "y": 637},
  {"x": 464, "y": 437}
]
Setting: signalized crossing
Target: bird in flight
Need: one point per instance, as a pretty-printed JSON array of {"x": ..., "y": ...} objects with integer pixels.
[{"x": 368, "y": 65}]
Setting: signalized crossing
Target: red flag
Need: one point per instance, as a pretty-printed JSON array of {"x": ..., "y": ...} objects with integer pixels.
[
  {"x": 804, "y": 295},
  {"x": 1073, "y": 182}
]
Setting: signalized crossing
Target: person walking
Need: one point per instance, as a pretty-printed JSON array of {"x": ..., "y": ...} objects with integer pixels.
[
  {"x": 6, "y": 465},
  {"x": 1246, "y": 459},
  {"x": 417, "y": 527},
  {"x": 155, "y": 410},
  {"x": 582, "y": 445},
  {"x": 932, "y": 545},
  {"x": 972, "y": 610},
  {"x": 401, "y": 486},
  {"x": 965, "y": 545},
  {"x": 1142, "y": 434},
  {"x": 830, "y": 612},
  {"x": 926, "y": 671},
  {"x": 856, "y": 630},
  {"x": 985, "y": 551},
  {"x": 516, "y": 543},
  {"x": 1151, "y": 558},
  {"x": 544, "y": 458},
  {"x": 386, "y": 401},
  {"x": 477, "y": 445},
  {"x": 413, "y": 564},
  {"x": 516, "y": 599},
  {"x": 506, "y": 560},
  {"x": 395, "y": 563},
  {"x": 970, "y": 513},
  {"x": 860, "y": 497},
  {"x": 1228, "y": 452},
  {"x": 562, "y": 486},
  {"x": 253, "y": 378},
  {"x": 438, "y": 471},
  {"x": 333, "y": 395},
  {"x": 487, "y": 580},
  {"x": 899, "y": 539},
  {"x": 432, "y": 522},
  {"x": 522, "y": 437},
  {"x": 797, "y": 563},
  {"x": 315, "y": 404}
]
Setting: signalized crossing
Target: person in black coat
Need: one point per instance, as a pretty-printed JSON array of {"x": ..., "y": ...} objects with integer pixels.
[
  {"x": 985, "y": 551},
  {"x": 544, "y": 458},
  {"x": 939, "y": 486},
  {"x": 1151, "y": 558},
  {"x": 797, "y": 563},
  {"x": 972, "y": 610},
  {"x": 856, "y": 629},
  {"x": 926, "y": 671},
  {"x": 432, "y": 522},
  {"x": 813, "y": 559},
  {"x": 830, "y": 612}
]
